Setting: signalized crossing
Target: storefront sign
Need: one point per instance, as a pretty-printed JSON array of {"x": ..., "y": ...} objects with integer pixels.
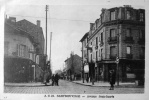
[{"x": 131, "y": 76}]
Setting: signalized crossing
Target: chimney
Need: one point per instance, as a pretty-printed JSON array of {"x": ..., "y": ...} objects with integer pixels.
[
  {"x": 38, "y": 23},
  {"x": 12, "y": 20},
  {"x": 91, "y": 25}
]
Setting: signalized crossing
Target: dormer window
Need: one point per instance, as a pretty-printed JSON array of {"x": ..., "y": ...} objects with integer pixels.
[
  {"x": 141, "y": 16},
  {"x": 112, "y": 15},
  {"x": 128, "y": 15}
]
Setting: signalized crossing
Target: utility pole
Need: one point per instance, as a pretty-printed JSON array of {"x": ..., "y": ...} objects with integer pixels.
[
  {"x": 46, "y": 27},
  {"x": 50, "y": 44}
]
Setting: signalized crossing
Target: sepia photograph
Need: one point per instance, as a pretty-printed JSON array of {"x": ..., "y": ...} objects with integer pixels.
[{"x": 71, "y": 49}]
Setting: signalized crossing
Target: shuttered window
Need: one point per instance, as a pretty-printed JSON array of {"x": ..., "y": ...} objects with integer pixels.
[{"x": 113, "y": 51}]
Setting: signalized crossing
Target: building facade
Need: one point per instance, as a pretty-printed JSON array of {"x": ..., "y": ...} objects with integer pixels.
[
  {"x": 73, "y": 67},
  {"x": 117, "y": 41},
  {"x": 21, "y": 62}
]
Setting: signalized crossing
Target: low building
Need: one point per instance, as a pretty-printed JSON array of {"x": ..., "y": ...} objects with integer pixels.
[
  {"x": 73, "y": 67},
  {"x": 21, "y": 62}
]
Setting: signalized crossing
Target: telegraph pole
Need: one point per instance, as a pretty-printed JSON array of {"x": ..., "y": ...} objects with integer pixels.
[
  {"x": 50, "y": 44},
  {"x": 46, "y": 27}
]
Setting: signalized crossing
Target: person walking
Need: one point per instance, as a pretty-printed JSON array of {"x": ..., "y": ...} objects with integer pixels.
[
  {"x": 53, "y": 80},
  {"x": 56, "y": 79},
  {"x": 112, "y": 79}
]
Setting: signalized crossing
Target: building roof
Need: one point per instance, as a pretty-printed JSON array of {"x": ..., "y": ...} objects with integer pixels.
[
  {"x": 35, "y": 31},
  {"x": 84, "y": 37}
]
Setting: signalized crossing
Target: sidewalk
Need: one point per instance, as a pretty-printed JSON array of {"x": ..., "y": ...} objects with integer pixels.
[
  {"x": 106, "y": 84},
  {"x": 32, "y": 84}
]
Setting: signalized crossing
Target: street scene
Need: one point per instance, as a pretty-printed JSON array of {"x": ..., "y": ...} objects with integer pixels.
[
  {"x": 74, "y": 49},
  {"x": 67, "y": 87}
]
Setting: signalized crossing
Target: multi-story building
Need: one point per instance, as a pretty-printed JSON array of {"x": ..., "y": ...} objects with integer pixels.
[
  {"x": 21, "y": 59},
  {"x": 73, "y": 66},
  {"x": 117, "y": 41}
]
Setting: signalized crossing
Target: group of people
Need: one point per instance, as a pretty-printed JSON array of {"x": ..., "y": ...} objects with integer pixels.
[{"x": 55, "y": 79}]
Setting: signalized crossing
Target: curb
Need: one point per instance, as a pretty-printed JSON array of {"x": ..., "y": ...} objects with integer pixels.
[
  {"x": 27, "y": 85},
  {"x": 88, "y": 85},
  {"x": 120, "y": 86}
]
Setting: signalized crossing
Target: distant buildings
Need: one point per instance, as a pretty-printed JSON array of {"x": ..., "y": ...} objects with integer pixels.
[
  {"x": 73, "y": 67},
  {"x": 117, "y": 37},
  {"x": 24, "y": 51}
]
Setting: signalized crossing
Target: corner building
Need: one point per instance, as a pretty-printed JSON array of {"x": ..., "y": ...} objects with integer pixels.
[{"x": 117, "y": 37}]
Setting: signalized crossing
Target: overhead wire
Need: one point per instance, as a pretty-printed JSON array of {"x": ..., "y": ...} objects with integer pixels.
[{"x": 50, "y": 18}]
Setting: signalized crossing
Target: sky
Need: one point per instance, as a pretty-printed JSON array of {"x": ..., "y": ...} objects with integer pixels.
[{"x": 68, "y": 21}]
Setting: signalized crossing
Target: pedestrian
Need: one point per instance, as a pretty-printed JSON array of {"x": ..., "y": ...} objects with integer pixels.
[
  {"x": 112, "y": 79},
  {"x": 87, "y": 79},
  {"x": 53, "y": 79},
  {"x": 56, "y": 79}
]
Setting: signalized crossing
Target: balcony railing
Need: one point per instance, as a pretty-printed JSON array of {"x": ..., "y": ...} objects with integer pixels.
[
  {"x": 112, "y": 40},
  {"x": 129, "y": 39},
  {"x": 113, "y": 57},
  {"x": 129, "y": 56},
  {"x": 141, "y": 41}
]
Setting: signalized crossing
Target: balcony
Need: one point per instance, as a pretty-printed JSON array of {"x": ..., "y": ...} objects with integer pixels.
[
  {"x": 129, "y": 56},
  {"x": 141, "y": 41},
  {"x": 113, "y": 57},
  {"x": 128, "y": 40},
  {"x": 112, "y": 40}
]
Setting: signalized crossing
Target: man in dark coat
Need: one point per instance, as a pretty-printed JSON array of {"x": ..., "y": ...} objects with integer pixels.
[
  {"x": 56, "y": 79},
  {"x": 112, "y": 79},
  {"x": 53, "y": 79}
]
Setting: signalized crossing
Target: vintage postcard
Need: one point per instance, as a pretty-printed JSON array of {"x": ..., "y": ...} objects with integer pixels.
[{"x": 74, "y": 49}]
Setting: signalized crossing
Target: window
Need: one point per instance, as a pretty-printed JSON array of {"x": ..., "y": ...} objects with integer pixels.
[
  {"x": 84, "y": 43},
  {"x": 85, "y": 53},
  {"x": 101, "y": 37},
  {"x": 112, "y": 33},
  {"x": 128, "y": 15},
  {"x": 96, "y": 41},
  {"x": 141, "y": 34},
  {"x": 91, "y": 58},
  {"x": 99, "y": 52},
  {"x": 96, "y": 55},
  {"x": 128, "y": 32},
  {"x": 112, "y": 51},
  {"x": 22, "y": 51},
  {"x": 141, "y": 16},
  {"x": 112, "y": 15},
  {"x": 128, "y": 50}
]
